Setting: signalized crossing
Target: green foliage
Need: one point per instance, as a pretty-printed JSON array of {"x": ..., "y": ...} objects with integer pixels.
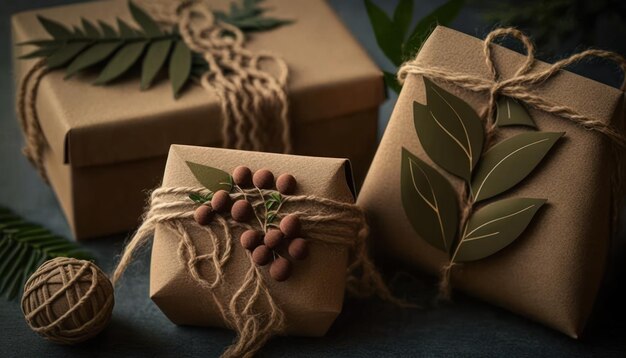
[
  {"x": 393, "y": 36},
  {"x": 24, "y": 246},
  {"x": 117, "y": 51}
]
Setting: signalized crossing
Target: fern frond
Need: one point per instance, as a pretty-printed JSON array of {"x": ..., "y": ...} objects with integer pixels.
[{"x": 24, "y": 246}]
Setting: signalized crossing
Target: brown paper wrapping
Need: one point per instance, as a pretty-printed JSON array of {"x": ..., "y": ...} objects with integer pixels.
[
  {"x": 118, "y": 134},
  {"x": 551, "y": 273},
  {"x": 311, "y": 299}
]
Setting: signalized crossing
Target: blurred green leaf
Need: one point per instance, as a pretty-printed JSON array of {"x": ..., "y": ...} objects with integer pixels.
[
  {"x": 392, "y": 81},
  {"x": 402, "y": 16},
  {"x": 388, "y": 37},
  {"x": 443, "y": 15}
]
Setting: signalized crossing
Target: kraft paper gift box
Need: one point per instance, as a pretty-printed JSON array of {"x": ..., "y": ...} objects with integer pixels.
[
  {"x": 553, "y": 271},
  {"x": 111, "y": 141}
]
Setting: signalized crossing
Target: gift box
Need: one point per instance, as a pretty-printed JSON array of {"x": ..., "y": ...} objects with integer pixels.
[
  {"x": 210, "y": 263},
  {"x": 111, "y": 141},
  {"x": 538, "y": 239}
]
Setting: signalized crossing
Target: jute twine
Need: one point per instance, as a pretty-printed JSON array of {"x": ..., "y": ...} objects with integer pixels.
[
  {"x": 251, "y": 311},
  {"x": 251, "y": 86},
  {"x": 68, "y": 300},
  {"x": 521, "y": 87}
]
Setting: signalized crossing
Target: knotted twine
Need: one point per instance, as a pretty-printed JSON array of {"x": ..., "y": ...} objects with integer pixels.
[
  {"x": 253, "y": 100},
  {"x": 521, "y": 87},
  {"x": 251, "y": 311}
]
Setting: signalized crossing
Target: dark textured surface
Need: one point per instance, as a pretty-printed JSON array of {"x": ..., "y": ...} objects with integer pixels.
[{"x": 365, "y": 328}]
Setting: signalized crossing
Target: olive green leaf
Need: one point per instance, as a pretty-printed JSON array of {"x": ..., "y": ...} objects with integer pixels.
[
  {"x": 512, "y": 113},
  {"x": 402, "y": 16},
  {"x": 201, "y": 198},
  {"x": 24, "y": 246},
  {"x": 180, "y": 67},
  {"x": 126, "y": 31},
  {"x": 65, "y": 54},
  {"x": 392, "y": 81},
  {"x": 155, "y": 58},
  {"x": 92, "y": 56},
  {"x": 509, "y": 162},
  {"x": 495, "y": 226},
  {"x": 429, "y": 202},
  {"x": 443, "y": 15},
  {"x": 211, "y": 178},
  {"x": 121, "y": 62},
  {"x": 57, "y": 30},
  {"x": 148, "y": 25},
  {"x": 107, "y": 30},
  {"x": 449, "y": 130},
  {"x": 90, "y": 29},
  {"x": 388, "y": 37}
]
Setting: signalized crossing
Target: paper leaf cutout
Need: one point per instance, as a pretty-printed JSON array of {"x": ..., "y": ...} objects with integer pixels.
[
  {"x": 449, "y": 130},
  {"x": 495, "y": 226},
  {"x": 429, "y": 202},
  {"x": 107, "y": 30},
  {"x": 155, "y": 58},
  {"x": 211, "y": 178},
  {"x": 125, "y": 29},
  {"x": 121, "y": 62},
  {"x": 65, "y": 54},
  {"x": 148, "y": 25},
  {"x": 509, "y": 162},
  {"x": 57, "y": 30},
  {"x": 512, "y": 113},
  {"x": 92, "y": 56},
  {"x": 180, "y": 67},
  {"x": 90, "y": 29}
]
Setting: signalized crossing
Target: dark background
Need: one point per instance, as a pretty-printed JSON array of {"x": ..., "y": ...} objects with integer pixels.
[{"x": 465, "y": 327}]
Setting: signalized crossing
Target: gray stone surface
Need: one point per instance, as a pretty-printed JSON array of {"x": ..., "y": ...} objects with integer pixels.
[{"x": 365, "y": 328}]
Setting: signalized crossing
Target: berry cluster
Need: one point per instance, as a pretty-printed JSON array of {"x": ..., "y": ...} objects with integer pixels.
[{"x": 268, "y": 244}]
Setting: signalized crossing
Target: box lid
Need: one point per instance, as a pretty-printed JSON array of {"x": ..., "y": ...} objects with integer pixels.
[{"x": 330, "y": 75}]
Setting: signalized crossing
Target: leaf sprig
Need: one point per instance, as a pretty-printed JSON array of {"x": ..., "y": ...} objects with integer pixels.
[
  {"x": 393, "y": 36},
  {"x": 118, "y": 50},
  {"x": 24, "y": 246}
]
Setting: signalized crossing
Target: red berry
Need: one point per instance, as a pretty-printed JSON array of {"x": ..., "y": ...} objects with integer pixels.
[
  {"x": 263, "y": 179},
  {"x": 221, "y": 201},
  {"x": 241, "y": 211},
  {"x": 280, "y": 270},
  {"x": 298, "y": 249},
  {"x": 290, "y": 226},
  {"x": 242, "y": 176},
  {"x": 203, "y": 215},
  {"x": 262, "y": 255},
  {"x": 273, "y": 238},
  {"x": 286, "y": 184},
  {"x": 250, "y": 239}
]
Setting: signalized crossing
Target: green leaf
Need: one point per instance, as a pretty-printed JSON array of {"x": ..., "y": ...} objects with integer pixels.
[
  {"x": 23, "y": 247},
  {"x": 121, "y": 62},
  {"x": 443, "y": 15},
  {"x": 107, "y": 30},
  {"x": 40, "y": 52},
  {"x": 387, "y": 35},
  {"x": 258, "y": 24},
  {"x": 201, "y": 199},
  {"x": 211, "y": 178},
  {"x": 512, "y": 113},
  {"x": 402, "y": 16},
  {"x": 92, "y": 56},
  {"x": 153, "y": 61},
  {"x": 449, "y": 130},
  {"x": 90, "y": 29},
  {"x": 149, "y": 26},
  {"x": 57, "y": 30},
  {"x": 126, "y": 31},
  {"x": 429, "y": 202},
  {"x": 65, "y": 54},
  {"x": 509, "y": 162},
  {"x": 180, "y": 67},
  {"x": 392, "y": 81},
  {"x": 495, "y": 226}
]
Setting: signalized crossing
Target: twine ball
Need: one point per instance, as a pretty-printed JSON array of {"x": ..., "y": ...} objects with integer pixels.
[{"x": 68, "y": 300}]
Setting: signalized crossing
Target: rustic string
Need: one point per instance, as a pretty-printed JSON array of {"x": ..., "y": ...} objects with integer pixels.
[
  {"x": 253, "y": 100},
  {"x": 323, "y": 220},
  {"x": 521, "y": 87},
  {"x": 88, "y": 311}
]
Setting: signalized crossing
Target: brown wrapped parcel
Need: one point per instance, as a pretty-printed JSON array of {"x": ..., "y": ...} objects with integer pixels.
[
  {"x": 111, "y": 141},
  {"x": 553, "y": 271}
]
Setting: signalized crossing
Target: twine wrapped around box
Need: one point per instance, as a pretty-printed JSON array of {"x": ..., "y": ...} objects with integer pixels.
[
  {"x": 520, "y": 87},
  {"x": 253, "y": 100},
  {"x": 252, "y": 311}
]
